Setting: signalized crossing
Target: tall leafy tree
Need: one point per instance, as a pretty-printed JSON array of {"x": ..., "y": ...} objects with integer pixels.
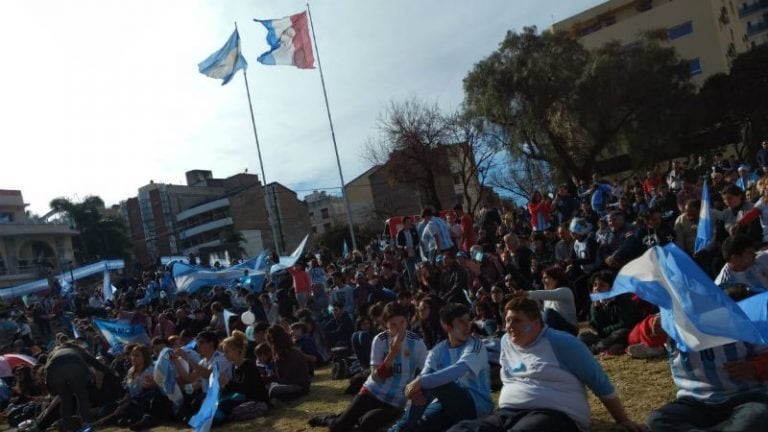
[
  {"x": 102, "y": 235},
  {"x": 561, "y": 103}
]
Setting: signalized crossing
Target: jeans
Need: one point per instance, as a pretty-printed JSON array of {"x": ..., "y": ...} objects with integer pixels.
[
  {"x": 365, "y": 413},
  {"x": 744, "y": 413},
  {"x": 67, "y": 377},
  {"x": 450, "y": 404},
  {"x": 519, "y": 420},
  {"x": 553, "y": 319}
]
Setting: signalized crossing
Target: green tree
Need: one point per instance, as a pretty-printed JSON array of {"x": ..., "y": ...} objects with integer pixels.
[
  {"x": 561, "y": 103},
  {"x": 101, "y": 235}
]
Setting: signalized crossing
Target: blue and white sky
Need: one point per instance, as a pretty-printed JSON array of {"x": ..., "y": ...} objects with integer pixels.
[{"x": 99, "y": 97}]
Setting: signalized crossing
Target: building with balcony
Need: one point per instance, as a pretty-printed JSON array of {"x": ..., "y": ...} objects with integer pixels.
[
  {"x": 707, "y": 33},
  {"x": 325, "y": 211},
  {"x": 30, "y": 248},
  {"x": 754, "y": 16},
  {"x": 211, "y": 217}
]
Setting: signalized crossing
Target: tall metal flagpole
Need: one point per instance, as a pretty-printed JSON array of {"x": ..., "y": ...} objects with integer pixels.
[
  {"x": 333, "y": 134},
  {"x": 270, "y": 219}
]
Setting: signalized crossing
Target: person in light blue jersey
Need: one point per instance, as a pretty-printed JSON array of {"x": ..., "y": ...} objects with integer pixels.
[
  {"x": 455, "y": 382},
  {"x": 397, "y": 355},
  {"x": 544, "y": 372}
]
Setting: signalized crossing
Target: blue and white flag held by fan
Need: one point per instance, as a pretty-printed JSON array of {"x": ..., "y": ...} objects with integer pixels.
[
  {"x": 202, "y": 421},
  {"x": 695, "y": 312},
  {"x": 121, "y": 333},
  {"x": 704, "y": 230},
  {"x": 224, "y": 63}
]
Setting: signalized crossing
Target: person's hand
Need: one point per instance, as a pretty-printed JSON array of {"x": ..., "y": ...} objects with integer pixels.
[
  {"x": 630, "y": 426},
  {"x": 413, "y": 388},
  {"x": 396, "y": 343},
  {"x": 741, "y": 370},
  {"x": 611, "y": 261},
  {"x": 419, "y": 399}
]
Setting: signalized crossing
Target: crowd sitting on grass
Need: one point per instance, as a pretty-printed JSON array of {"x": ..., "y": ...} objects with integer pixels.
[{"x": 424, "y": 325}]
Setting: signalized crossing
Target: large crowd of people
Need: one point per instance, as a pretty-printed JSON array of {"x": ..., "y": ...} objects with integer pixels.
[{"x": 424, "y": 325}]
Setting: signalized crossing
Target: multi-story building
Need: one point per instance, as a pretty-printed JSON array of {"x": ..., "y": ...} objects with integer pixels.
[
  {"x": 754, "y": 16},
  {"x": 29, "y": 248},
  {"x": 325, "y": 211},
  {"x": 707, "y": 33},
  {"x": 375, "y": 196},
  {"x": 210, "y": 216}
]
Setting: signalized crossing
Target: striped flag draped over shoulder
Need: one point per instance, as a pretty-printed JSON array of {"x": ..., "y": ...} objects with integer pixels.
[{"x": 704, "y": 229}]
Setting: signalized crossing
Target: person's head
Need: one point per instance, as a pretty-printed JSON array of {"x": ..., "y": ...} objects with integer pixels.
[
  {"x": 511, "y": 242},
  {"x": 404, "y": 297},
  {"x": 616, "y": 220},
  {"x": 263, "y": 352},
  {"x": 234, "y": 346},
  {"x": 743, "y": 171},
  {"x": 395, "y": 318},
  {"x": 363, "y": 323},
  {"x": 602, "y": 281},
  {"x": 653, "y": 218},
  {"x": 733, "y": 196},
  {"x": 207, "y": 341},
  {"x": 449, "y": 259},
  {"x": 279, "y": 340},
  {"x": 523, "y": 320},
  {"x": 216, "y": 307},
  {"x": 454, "y": 318},
  {"x": 260, "y": 332},
  {"x": 158, "y": 343},
  {"x": 762, "y": 186},
  {"x": 360, "y": 278},
  {"x": 428, "y": 309},
  {"x": 298, "y": 329},
  {"x": 338, "y": 309},
  {"x": 481, "y": 310},
  {"x": 497, "y": 294},
  {"x": 536, "y": 197},
  {"x": 553, "y": 277},
  {"x": 140, "y": 357},
  {"x": 564, "y": 232},
  {"x": 739, "y": 252},
  {"x": 427, "y": 213},
  {"x": 692, "y": 208},
  {"x": 407, "y": 222}
]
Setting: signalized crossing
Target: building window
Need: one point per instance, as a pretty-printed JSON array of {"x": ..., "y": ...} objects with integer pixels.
[
  {"x": 6, "y": 217},
  {"x": 314, "y": 229},
  {"x": 695, "y": 66},
  {"x": 324, "y": 213},
  {"x": 311, "y": 215},
  {"x": 327, "y": 226},
  {"x": 680, "y": 30}
]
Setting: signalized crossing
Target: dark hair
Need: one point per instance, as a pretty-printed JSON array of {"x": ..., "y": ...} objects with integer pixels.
[
  {"x": 404, "y": 294},
  {"x": 392, "y": 310},
  {"x": 338, "y": 304},
  {"x": 734, "y": 190},
  {"x": 459, "y": 208},
  {"x": 300, "y": 326},
  {"x": 360, "y": 321},
  {"x": 160, "y": 341},
  {"x": 209, "y": 337},
  {"x": 279, "y": 340},
  {"x": 427, "y": 211},
  {"x": 556, "y": 273},
  {"x": 451, "y": 311},
  {"x": 263, "y": 349},
  {"x": 604, "y": 276},
  {"x": 736, "y": 245},
  {"x": 261, "y": 327}
]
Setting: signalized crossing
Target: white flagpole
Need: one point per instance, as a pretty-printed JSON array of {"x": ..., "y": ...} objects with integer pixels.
[
  {"x": 270, "y": 219},
  {"x": 333, "y": 134}
]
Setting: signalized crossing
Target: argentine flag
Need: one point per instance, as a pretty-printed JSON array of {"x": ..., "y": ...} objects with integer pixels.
[
  {"x": 704, "y": 230},
  {"x": 695, "y": 312},
  {"x": 224, "y": 63}
]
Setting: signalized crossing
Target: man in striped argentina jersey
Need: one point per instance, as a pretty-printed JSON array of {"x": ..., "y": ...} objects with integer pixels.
[
  {"x": 455, "y": 382},
  {"x": 718, "y": 389},
  {"x": 396, "y": 356}
]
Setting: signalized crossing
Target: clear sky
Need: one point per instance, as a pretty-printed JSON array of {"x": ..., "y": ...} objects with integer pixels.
[{"x": 99, "y": 97}]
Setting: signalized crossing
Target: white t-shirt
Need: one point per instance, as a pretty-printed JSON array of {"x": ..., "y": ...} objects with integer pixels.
[{"x": 559, "y": 299}]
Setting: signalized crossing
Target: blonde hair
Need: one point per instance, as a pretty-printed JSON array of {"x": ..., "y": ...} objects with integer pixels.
[
  {"x": 762, "y": 183},
  {"x": 238, "y": 341}
]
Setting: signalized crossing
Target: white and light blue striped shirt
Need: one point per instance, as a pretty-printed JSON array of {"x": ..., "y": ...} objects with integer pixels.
[{"x": 404, "y": 367}]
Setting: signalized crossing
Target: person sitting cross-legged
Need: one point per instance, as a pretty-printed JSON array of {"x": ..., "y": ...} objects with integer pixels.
[
  {"x": 397, "y": 355},
  {"x": 455, "y": 382},
  {"x": 544, "y": 372}
]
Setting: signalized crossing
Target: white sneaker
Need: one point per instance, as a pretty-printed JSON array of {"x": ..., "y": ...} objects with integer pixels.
[{"x": 644, "y": 351}]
